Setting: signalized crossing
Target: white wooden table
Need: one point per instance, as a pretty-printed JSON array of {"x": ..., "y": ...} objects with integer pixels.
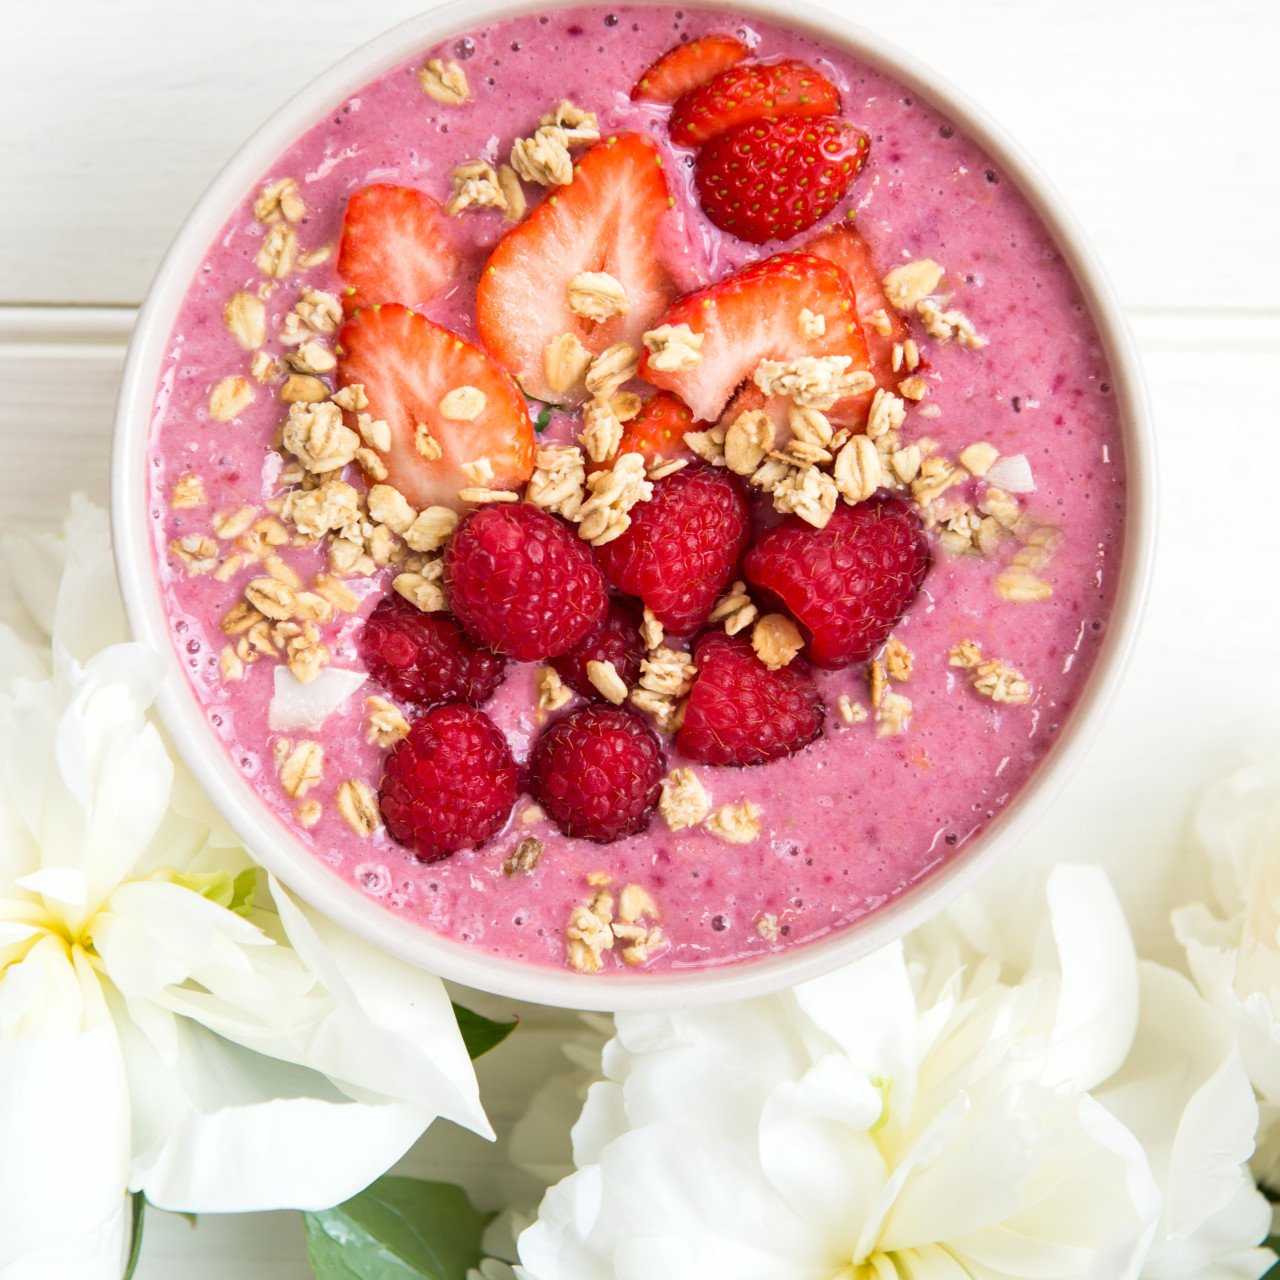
[{"x": 1157, "y": 118}]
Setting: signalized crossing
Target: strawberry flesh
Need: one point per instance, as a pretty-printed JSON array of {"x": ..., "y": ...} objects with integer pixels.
[
  {"x": 687, "y": 67},
  {"x": 772, "y": 178},
  {"x": 407, "y": 365},
  {"x": 754, "y": 316},
  {"x": 610, "y": 218},
  {"x": 394, "y": 248},
  {"x": 747, "y": 92}
]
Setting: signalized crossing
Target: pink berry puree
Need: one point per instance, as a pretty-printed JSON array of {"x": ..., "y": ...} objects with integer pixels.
[{"x": 863, "y": 813}]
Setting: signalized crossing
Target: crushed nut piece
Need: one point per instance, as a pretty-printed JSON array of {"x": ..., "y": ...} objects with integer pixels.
[
  {"x": 308, "y": 813},
  {"x": 850, "y": 712},
  {"x": 245, "y": 316},
  {"x": 893, "y": 715},
  {"x": 426, "y": 444},
  {"x": 684, "y": 801},
  {"x": 480, "y": 471},
  {"x": 475, "y": 186},
  {"x": 708, "y": 444},
  {"x": 312, "y": 357},
  {"x": 611, "y": 368},
  {"x": 263, "y": 368},
  {"x": 423, "y": 592},
  {"x": 358, "y": 806},
  {"x": 906, "y": 285},
  {"x": 736, "y": 823},
  {"x": 303, "y": 388},
  {"x": 936, "y": 476},
  {"x": 530, "y": 814},
  {"x": 588, "y": 933},
  {"x": 776, "y": 640},
  {"x": 230, "y": 666},
  {"x": 601, "y": 431},
  {"x": 386, "y": 724},
  {"x": 280, "y": 199},
  {"x": 302, "y": 768},
  {"x": 322, "y": 313},
  {"x": 607, "y": 682},
  {"x": 596, "y": 295},
  {"x": 811, "y": 325},
  {"x": 513, "y": 193},
  {"x": 914, "y": 387},
  {"x": 887, "y": 414},
  {"x": 315, "y": 512},
  {"x": 1021, "y": 586},
  {"x": 651, "y": 631},
  {"x": 551, "y": 692},
  {"x": 431, "y": 529},
  {"x": 543, "y": 158},
  {"x": 857, "y": 471},
  {"x": 898, "y": 660},
  {"x": 230, "y": 398},
  {"x": 558, "y": 479},
  {"x": 271, "y": 598},
  {"x": 813, "y": 382},
  {"x": 188, "y": 492},
  {"x": 228, "y": 525},
  {"x": 906, "y": 463},
  {"x": 565, "y": 362},
  {"x": 198, "y": 553},
  {"x": 673, "y": 348},
  {"x": 614, "y": 491},
  {"x": 373, "y": 431},
  {"x": 945, "y": 325},
  {"x": 463, "y": 404},
  {"x": 316, "y": 436},
  {"x": 879, "y": 321},
  {"x": 279, "y": 248},
  {"x": 767, "y": 926},
  {"x": 877, "y": 683},
  {"x": 667, "y": 713},
  {"x": 444, "y": 82},
  {"x": 747, "y": 441},
  {"x": 1001, "y": 683},
  {"x": 809, "y": 493},
  {"x": 668, "y": 672},
  {"x": 524, "y": 857},
  {"x": 734, "y": 609}
]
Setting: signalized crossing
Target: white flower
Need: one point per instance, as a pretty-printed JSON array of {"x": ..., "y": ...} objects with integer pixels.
[
  {"x": 164, "y": 1027},
  {"x": 1009, "y": 1095},
  {"x": 1233, "y": 942},
  {"x": 888, "y": 1121}
]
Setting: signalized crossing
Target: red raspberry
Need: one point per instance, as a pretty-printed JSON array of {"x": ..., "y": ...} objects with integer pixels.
[
  {"x": 426, "y": 658},
  {"x": 683, "y": 546},
  {"x": 598, "y": 772},
  {"x": 522, "y": 582},
  {"x": 848, "y": 584},
  {"x": 616, "y": 640},
  {"x": 740, "y": 712},
  {"x": 450, "y": 784}
]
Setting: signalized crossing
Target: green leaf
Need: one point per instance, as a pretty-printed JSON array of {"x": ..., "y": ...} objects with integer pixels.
[
  {"x": 235, "y": 893},
  {"x": 1273, "y": 1243},
  {"x": 543, "y": 420},
  {"x": 480, "y": 1034},
  {"x": 397, "y": 1229},
  {"x": 135, "y": 1236}
]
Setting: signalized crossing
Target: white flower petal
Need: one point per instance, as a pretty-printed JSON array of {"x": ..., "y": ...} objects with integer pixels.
[
  {"x": 1097, "y": 1007},
  {"x": 68, "y": 886},
  {"x": 295, "y": 705},
  {"x": 64, "y": 1114}
]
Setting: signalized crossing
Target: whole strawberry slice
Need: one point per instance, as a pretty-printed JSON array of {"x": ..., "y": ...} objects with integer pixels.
[
  {"x": 683, "y": 546},
  {"x": 740, "y": 712},
  {"x": 446, "y": 402},
  {"x": 609, "y": 219},
  {"x": 754, "y": 316},
  {"x": 616, "y": 640},
  {"x": 450, "y": 784},
  {"x": 598, "y": 773},
  {"x": 849, "y": 584},
  {"x": 848, "y": 250},
  {"x": 777, "y": 176},
  {"x": 747, "y": 92},
  {"x": 688, "y": 66},
  {"x": 523, "y": 583},
  {"x": 657, "y": 431},
  {"x": 394, "y": 247},
  {"x": 426, "y": 658}
]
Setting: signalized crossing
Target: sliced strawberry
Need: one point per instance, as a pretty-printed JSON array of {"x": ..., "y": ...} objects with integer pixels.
[
  {"x": 657, "y": 431},
  {"x": 848, "y": 250},
  {"x": 755, "y": 316},
  {"x": 747, "y": 92},
  {"x": 610, "y": 218},
  {"x": 688, "y": 66},
  {"x": 394, "y": 247},
  {"x": 772, "y": 178},
  {"x": 407, "y": 365}
]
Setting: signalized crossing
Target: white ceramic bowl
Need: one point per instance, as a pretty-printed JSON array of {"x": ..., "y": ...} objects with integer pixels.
[{"x": 289, "y": 859}]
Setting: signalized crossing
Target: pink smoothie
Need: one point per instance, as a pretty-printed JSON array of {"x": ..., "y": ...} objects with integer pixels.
[{"x": 854, "y": 819}]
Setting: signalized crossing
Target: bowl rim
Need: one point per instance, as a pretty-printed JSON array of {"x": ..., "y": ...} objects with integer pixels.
[{"x": 281, "y": 852}]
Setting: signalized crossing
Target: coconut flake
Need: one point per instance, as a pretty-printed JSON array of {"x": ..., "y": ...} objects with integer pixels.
[
  {"x": 295, "y": 705},
  {"x": 1012, "y": 474}
]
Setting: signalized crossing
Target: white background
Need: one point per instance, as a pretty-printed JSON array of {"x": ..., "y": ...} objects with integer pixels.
[{"x": 1159, "y": 121}]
